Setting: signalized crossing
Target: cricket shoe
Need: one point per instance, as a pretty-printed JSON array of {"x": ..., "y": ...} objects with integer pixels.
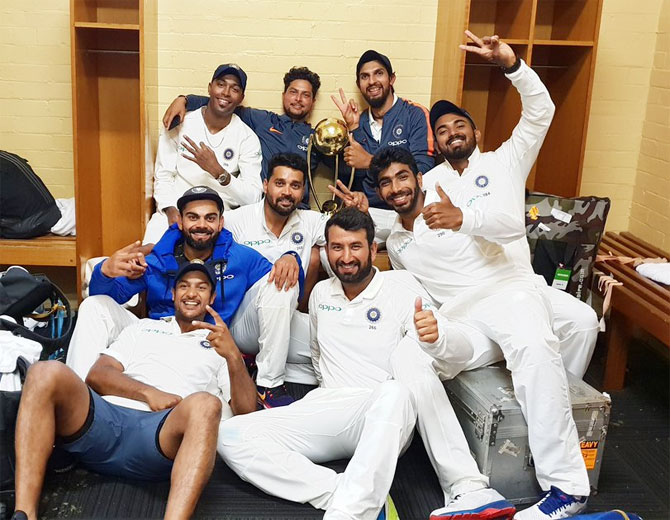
[
  {"x": 482, "y": 504},
  {"x": 555, "y": 504},
  {"x": 274, "y": 397}
]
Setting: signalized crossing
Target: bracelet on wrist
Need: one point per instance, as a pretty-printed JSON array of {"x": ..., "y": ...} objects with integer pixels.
[{"x": 513, "y": 68}]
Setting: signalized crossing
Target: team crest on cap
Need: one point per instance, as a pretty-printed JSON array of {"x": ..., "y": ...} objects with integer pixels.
[
  {"x": 482, "y": 181},
  {"x": 228, "y": 154},
  {"x": 297, "y": 237},
  {"x": 397, "y": 130},
  {"x": 373, "y": 315},
  {"x": 198, "y": 189},
  {"x": 205, "y": 344}
]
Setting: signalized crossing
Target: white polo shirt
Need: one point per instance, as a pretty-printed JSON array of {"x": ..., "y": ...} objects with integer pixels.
[
  {"x": 449, "y": 263},
  {"x": 156, "y": 353},
  {"x": 505, "y": 168},
  {"x": 236, "y": 147},
  {"x": 352, "y": 340},
  {"x": 303, "y": 229}
]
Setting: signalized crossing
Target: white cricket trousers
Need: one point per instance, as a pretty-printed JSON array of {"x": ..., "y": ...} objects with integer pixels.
[
  {"x": 574, "y": 323},
  {"x": 260, "y": 326},
  {"x": 440, "y": 431},
  {"x": 518, "y": 317},
  {"x": 279, "y": 450}
]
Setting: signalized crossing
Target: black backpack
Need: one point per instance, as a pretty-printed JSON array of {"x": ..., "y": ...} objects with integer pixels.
[{"x": 27, "y": 209}]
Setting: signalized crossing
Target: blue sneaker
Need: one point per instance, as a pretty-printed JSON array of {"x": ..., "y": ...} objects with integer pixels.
[
  {"x": 482, "y": 504},
  {"x": 274, "y": 397},
  {"x": 555, "y": 504},
  {"x": 389, "y": 511}
]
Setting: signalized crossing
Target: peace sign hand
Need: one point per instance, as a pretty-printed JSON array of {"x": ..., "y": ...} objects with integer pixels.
[
  {"x": 203, "y": 156},
  {"x": 128, "y": 261},
  {"x": 492, "y": 49},
  {"x": 350, "y": 198},
  {"x": 348, "y": 109},
  {"x": 219, "y": 337},
  {"x": 443, "y": 214}
]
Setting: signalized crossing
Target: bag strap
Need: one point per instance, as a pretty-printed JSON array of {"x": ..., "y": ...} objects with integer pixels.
[{"x": 24, "y": 332}]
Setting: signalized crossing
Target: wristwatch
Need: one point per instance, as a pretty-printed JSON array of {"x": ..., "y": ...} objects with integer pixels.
[{"x": 224, "y": 178}]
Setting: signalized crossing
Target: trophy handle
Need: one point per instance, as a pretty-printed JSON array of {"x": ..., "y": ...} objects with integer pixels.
[
  {"x": 351, "y": 178},
  {"x": 309, "y": 172}
]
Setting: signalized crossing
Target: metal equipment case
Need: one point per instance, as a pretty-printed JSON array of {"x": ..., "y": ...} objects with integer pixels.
[{"x": 497, "y": 433}]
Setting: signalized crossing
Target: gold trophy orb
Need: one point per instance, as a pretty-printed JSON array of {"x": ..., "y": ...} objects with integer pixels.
[{"x": 330, "y": 137}]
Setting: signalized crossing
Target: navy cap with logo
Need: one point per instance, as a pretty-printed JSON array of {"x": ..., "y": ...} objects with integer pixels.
[
  {"x": 371, "y": 55},
  {"x": 443, "y": 107},
  {"x": 235, "y": 70},
  {"x": 199, "y": 193},
  {"x": 197, "y": 265}
]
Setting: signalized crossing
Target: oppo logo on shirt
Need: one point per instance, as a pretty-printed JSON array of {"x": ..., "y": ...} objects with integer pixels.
[
  {"x": 398, "y": 142},
  {"x": 254, "y": 243},
  {"x": 328, "y": 308},
  {"x": 403, "y": 246}
]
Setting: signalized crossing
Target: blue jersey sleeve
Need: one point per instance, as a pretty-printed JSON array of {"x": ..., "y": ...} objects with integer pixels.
[
  {"x": 120, "y": 289},
  {"x": 194, "y": 102},
  {"x": 421, "y": 142}
]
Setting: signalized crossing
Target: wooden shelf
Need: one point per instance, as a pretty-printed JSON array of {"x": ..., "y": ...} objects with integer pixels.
[
  {"x": 567, "y": 19},
  {"x": 564, "y": 43},
  {"x": 510, "y": 19},
  {"x": 49, "y": 250},
  {"x": 106, "y": 11},
  {"x": 107, "y": 26}
]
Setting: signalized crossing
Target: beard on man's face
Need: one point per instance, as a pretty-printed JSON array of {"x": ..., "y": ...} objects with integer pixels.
[
  {"x": 283, "y": 209},
  {"x": 201, "y": 244},
  {"x": 356, "y": 277}
]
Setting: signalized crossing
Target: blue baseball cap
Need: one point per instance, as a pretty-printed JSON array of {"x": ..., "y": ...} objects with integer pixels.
[
  {"x": 235, "y": 70},
  {"x": 197, "y": 265}
]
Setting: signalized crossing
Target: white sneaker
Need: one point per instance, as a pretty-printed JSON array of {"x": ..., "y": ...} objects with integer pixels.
[
  {"x": 482, "y": 504},
  {"x": 554, "y": 505}
]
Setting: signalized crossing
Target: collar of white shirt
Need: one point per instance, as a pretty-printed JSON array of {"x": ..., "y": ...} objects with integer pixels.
[
  {"x": 369, "y": 293},
  {"x": 375, "y": 127},
  {"x": 293, "y": 220}
]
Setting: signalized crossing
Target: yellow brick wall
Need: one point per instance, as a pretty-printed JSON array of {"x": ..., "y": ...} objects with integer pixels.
[
  {"x": 650, "y": 212},
  {"x": 266, "y": 38},
  {"x": 619, "y": 103},
  {"x": 35, "y": 88}
]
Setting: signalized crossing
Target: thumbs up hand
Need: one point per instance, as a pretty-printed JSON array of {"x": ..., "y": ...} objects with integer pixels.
[
  {"x": 443, "y": 214},
  {"x": 356, "y": 156},
  {"x": 425, "y": 323}
]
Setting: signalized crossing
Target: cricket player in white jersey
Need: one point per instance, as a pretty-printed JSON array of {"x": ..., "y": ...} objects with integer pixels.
[
  {"x": 273, "y": 227},
  {"x": 368, "y": 329},
  {"x": 214, "y": 148},
  {"x": 468, "y": 170}
]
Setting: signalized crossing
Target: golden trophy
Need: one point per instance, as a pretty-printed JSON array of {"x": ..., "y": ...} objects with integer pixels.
[{"x": 330, "y": 137}]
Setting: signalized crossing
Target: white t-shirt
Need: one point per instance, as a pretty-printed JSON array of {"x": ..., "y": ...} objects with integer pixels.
[
  {"x": 352, "y": 340},
  {"x": 156, "y": 353},
  {"x": 303, "y": 229},
  {"x": 236, "y": 147},
  {"x": 509, "y": 164}
]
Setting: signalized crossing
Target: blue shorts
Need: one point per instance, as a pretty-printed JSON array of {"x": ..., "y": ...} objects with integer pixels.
[{"x": 120, "y": 441}]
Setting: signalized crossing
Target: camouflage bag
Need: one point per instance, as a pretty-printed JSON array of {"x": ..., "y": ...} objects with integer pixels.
[{"x": 564, "y": 234}]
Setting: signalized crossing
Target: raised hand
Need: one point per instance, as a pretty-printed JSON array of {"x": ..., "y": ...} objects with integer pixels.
[
  {"x": 219, "y": 337},
  {"x": 285, "y": 272},
  {"x": 491, "y": 48},
  {"x": 443, "y": 214},
  {"x": 176, "y": 109},
  {"x": 203, "y": 156},
  {"x": 349, "y": 110},
  {"x": 425, "y": 323},
  {"x": 350, "y": 198},
  {"x": 356, "y": 156},
  {"x": 128, "y": 261}
]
